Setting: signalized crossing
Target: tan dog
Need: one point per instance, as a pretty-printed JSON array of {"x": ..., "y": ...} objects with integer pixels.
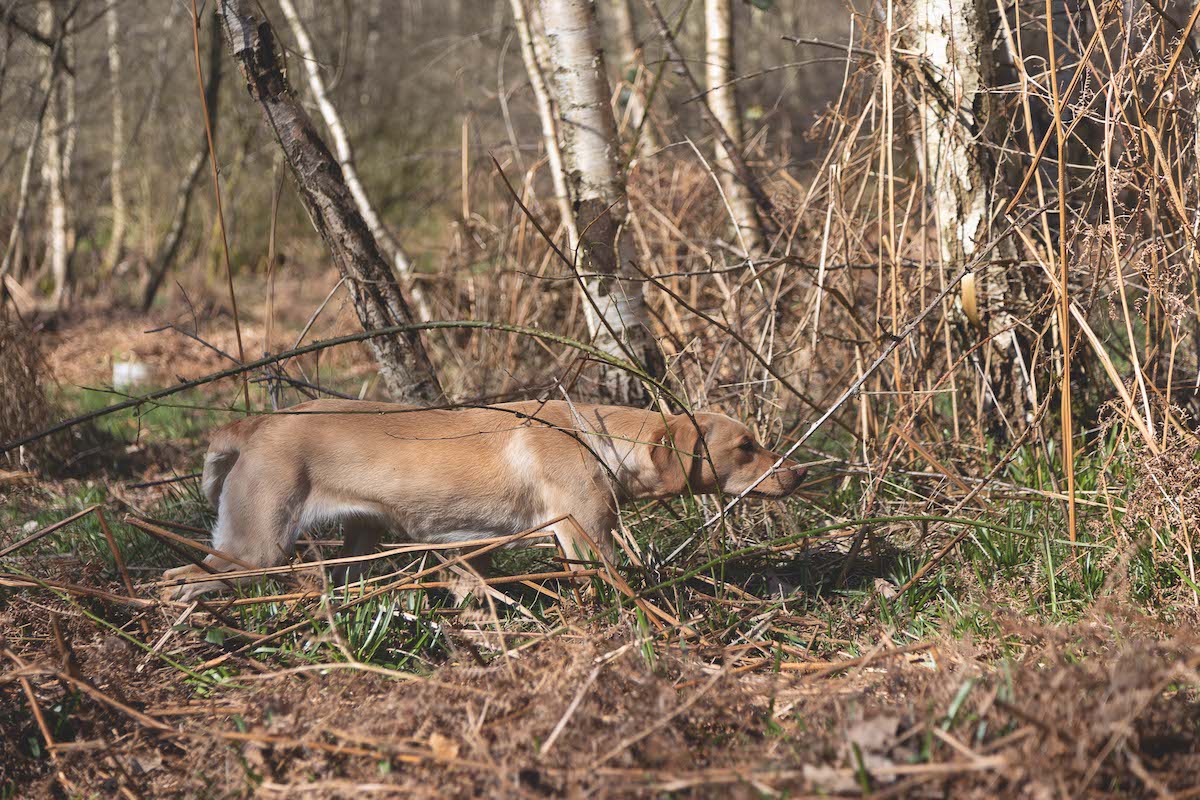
[{"x": 449, "y": 476}]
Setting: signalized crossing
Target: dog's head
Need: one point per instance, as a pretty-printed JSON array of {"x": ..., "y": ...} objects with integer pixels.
[{"x": 716, "y": 452}]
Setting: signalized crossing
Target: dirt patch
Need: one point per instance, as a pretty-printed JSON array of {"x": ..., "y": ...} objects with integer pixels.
[
  {"x": 1085, "y": 711},
  {"x": 81, "y": 346}
]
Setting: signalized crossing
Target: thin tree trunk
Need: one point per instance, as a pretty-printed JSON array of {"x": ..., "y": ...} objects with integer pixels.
[
  {"x": 722, "y": 99},
  {"x": 403, "y": 364},
  {"x": 120, "y": 214},
  {"x": 55, "y": 165},
  {"x": 737, "y": 163},
  {"x": 545, "y": 107},
  {"x": 624, "y": 34},
  {"x": 345, "y": 155},
  {"x": 13, "y": 250},
  {"x": 168, "y": 248},
  {"x": 617, "y": 308}
]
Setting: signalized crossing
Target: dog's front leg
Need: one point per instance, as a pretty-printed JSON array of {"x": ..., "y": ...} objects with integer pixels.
[
  {"x": 466, "y": 579},
  {"x": 586, "y": 539}
]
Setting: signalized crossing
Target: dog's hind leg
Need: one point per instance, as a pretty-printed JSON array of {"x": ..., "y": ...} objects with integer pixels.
[
  {"x": 257, "y": 526},
  {"x": 361, "y": 535}
]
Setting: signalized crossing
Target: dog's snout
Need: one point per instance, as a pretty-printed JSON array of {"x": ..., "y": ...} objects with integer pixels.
[{"x": 798, "y": 470}]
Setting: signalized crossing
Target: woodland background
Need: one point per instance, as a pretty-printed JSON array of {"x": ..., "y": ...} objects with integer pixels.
[{"x": 943, "y": 253}]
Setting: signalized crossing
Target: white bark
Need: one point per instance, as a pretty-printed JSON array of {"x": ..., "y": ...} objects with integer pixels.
[
  {"x": 58, "y": 143},
  {"x": 545, "y": 107},
  {"x": 722, "y": 99},
  {"x": 619, "y": 319},
  {"x": 345, "y": 157},
  {"x": 120, "y": 214},
  {"x": 956, "y": 125},
  {"x": 954, "y": 115}
]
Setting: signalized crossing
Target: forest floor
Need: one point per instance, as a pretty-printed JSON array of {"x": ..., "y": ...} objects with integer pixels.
[{"x": 773, "y": 660}]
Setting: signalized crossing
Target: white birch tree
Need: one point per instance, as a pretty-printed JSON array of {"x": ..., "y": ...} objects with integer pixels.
[
  {"x": 120, "y": 212},
  {"x": 723, "y": 100},
  {"x": 617, "y": 313},
  {"x": 345, "y": 157},
  {"x": 955, "y": 121}
]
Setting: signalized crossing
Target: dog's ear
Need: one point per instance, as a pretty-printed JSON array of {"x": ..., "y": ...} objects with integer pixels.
[{"x": 673, "y": 450}]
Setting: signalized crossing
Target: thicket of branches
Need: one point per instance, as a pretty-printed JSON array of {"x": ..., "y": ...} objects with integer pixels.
[{"x": 990, "y": 201}]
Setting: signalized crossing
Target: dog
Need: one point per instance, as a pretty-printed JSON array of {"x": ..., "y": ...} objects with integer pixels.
[{"x": 449, "y": 476}]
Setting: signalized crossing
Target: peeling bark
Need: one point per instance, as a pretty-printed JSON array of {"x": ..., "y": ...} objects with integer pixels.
[
  {"x": 403, "y": 363},
  {"x": 616, "y": 306},
  {"x": 955, "y": 126}
]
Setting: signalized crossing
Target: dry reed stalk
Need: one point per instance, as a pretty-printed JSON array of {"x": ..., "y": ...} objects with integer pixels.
[
  {"x": 1064, "y": 296},
  {"x": 162, "y": 533}
]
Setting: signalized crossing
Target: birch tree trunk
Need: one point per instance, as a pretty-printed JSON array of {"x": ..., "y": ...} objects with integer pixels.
[
  {"x": 55, "y": 165},
  {"x": 403, "y": 363},
  {"x": 955, "y": 125},
  {"x": 723, "y": 100},
  {"x": 345, "y": 155},
  {"x": 545, "y": 107},
  {"x": 120, "y": 214},
  {"x": 617, "y": 308}
]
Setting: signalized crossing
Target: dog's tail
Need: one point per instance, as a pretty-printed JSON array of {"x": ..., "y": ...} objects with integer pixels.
[{"x": 223, "y": 451}]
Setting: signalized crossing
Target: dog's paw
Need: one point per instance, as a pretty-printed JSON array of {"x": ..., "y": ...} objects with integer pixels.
[{"x": 181, "y": 591}]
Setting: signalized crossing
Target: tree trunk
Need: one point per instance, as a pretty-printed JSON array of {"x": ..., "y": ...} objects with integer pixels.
[
  {"x": 617, "y": 308},
  {"x": 168, "y": 249},
  {"x": 56, "y": 165},
  {"x": 13, "y": 250},
  {"x": 403, "y": 364},
  {"x": 955, "y": 124},
  {"x": 737, "y": 163},
  {"x": 722, "y": 99},
  {"x": 545, "y": 107},
  {"x": 624, "y": 35},
  {"x": 345, "y": 155},
  {"x": 120, "y": 214}
]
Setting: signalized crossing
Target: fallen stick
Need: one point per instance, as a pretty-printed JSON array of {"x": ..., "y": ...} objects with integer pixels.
[
  {"x": 533, "y": 576},
  {"x": 20, "y": 582},
  {"x": 304, "y": 566}
]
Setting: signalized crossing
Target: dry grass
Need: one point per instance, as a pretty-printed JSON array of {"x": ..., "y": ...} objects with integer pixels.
[{"x": 926, "y": 621}]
